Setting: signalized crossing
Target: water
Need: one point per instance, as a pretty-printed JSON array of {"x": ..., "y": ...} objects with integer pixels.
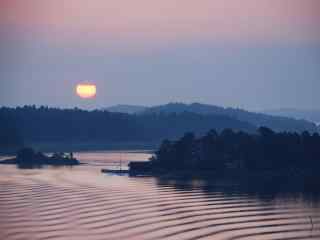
[
  {"x": 82, "y": 203},
  {"x": 112, "y": 159}
]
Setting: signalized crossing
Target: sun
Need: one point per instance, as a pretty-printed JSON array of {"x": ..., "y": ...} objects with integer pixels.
[{"x": 86, "y": 90}]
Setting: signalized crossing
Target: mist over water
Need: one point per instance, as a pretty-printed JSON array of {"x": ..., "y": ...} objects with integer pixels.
[{"x": 83, "y": 203}]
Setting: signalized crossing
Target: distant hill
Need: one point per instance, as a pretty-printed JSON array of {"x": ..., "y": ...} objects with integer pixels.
[
  {"x": 83, "y": 128},
  {"x": 310, "y": 115},
  {"x": 122, "y": 108},
  {"x": 79, "y": 127},
  {"x": 277, "y": 123}
]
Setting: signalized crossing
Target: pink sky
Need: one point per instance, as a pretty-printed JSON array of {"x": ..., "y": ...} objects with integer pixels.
[
  {"x": 246, "y": 53},
  {"x": 166, "y": 20}
]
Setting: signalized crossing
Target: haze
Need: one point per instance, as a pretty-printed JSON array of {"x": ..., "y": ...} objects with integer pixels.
[{"x": 251, "y": 54}]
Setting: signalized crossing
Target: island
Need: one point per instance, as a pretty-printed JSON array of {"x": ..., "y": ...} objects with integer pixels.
[
  {"x": 29, "y": 158},
  {"x": 229, "y": 153}
]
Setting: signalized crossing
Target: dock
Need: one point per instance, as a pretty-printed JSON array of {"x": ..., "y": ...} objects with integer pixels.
[{"x": 115, "y": 171}]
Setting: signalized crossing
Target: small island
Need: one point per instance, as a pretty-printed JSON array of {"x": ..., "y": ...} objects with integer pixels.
[{"x": 28, "y": 158}]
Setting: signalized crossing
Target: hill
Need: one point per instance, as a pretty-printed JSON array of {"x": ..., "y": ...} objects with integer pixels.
[
  {"x": 277, "y": 123},
  {"x": 79, "y": 127},
  {"x": 123, "y": 108},
  {"x": 310, "y": 115}
]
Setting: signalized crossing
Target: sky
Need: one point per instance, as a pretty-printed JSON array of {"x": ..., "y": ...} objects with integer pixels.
[{"x": 253, "y": 54}]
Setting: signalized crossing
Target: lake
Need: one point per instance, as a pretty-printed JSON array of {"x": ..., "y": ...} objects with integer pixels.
[{"x": 82, "y": 203}]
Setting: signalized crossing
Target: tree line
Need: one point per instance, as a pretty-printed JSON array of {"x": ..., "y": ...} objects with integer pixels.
[
  {"x": 10, "y": 137},
  {"x": 42, "y": 124},
  {"x": 264, "y": 150}
]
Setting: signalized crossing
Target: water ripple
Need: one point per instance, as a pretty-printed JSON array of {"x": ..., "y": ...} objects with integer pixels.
[{"x": 84, "y": 204}]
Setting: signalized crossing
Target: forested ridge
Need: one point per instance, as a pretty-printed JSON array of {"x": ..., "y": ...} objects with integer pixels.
[
  {"x": 277, "y": 123},
  {"x": 31, "y": 124}
]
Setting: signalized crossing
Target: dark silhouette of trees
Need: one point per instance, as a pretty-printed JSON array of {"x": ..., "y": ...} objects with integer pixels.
[
  {"x": 74, "y": 125},
  {"x": 9, "y": 134},
  {"x": 28, "y": 158},
  {"x": 263, "y": 151},
  {"x": 29, "y": 124}
]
